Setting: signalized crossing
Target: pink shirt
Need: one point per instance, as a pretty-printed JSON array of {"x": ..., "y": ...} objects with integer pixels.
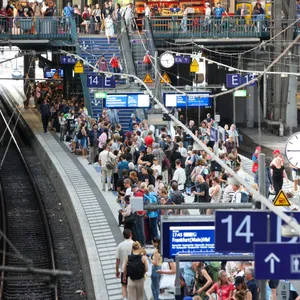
[{"x": 102, "y": 140}]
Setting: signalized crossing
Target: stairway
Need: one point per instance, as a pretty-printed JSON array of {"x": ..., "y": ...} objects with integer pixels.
[
  {"x": 138, "y": 43},
  {"x": 92, "y": 47}
]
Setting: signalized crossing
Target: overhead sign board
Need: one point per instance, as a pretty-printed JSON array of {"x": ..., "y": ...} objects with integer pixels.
[
  {"x": 281, "y": 199},
  {"x": 234, "y": 80},
  {"x": 187, "y": 236},
  {"x": 130, "y": 100},
  {"x": 180, "y": 59},
  {"x": 190, "y": 99},
  {"x": 49, "y": 73},
  {"x": 277, "y": 261},
  {"x": 237, "y": 231},
  {"x": 67, "y": 60},
  {"x": 98, "y": 81}
]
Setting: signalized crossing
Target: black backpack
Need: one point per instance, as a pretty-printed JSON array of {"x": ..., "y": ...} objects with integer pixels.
[{"x": 135, "y": 267}]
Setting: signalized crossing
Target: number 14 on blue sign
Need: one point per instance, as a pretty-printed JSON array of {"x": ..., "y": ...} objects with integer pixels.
[
  {"x": 236, "y": 231},
  {"x": 97, "y": 81}
]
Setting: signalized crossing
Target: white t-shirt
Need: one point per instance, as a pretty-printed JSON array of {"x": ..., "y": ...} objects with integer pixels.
[
  {"x": 128, "y": 192},
  {"x": 180, "y": 177},
  {"x": 158, "y": 168},
  {"x": 123, "y": 250}
]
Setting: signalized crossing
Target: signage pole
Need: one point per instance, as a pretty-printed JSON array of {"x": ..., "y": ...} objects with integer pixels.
[
  {"x": 199, "y": 112},
  {"x": 262, "y": 190},
  {"x": 156, "y": 65},
  {"x": 177, "y": 279},
  {"x": 262, "y": 176},
  {"x": 234, "y": 112}
]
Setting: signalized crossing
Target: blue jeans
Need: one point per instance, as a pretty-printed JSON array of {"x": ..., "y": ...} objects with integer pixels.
[
  {"x": 139, "y": 229},
  {"x": 153, "y": 227},
  {"x": 155, "y": 278}
]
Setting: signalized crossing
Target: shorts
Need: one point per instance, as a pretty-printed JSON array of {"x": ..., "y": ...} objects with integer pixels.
[
  {"x": 122, "y": 279},
  {"x": 295, "y": 176}
]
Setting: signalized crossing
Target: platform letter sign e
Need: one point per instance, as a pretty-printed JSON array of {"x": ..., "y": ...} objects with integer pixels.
[{"x": 233, "y": 80}]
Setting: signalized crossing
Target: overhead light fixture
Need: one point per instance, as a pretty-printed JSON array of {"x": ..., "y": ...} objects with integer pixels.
[
  {"x": 254, "y": 73},
  {"x": 230, "y": 69},
  {"x": 223, "y": 88},
  {"x": 284, "y": 75},
  {"x": 210, "y": 62}
]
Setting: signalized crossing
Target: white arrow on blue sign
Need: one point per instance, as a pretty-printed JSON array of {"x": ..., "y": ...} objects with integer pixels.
[
  {"x": 277, "y": 261},
  {"x": 182, "y": 59},
  {"x": 67, "y": 60}
]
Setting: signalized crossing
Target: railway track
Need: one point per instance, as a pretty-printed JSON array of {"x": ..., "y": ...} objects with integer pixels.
[
  {"x": 25, "y": 223},
  {"x": 35, "y": 223}
]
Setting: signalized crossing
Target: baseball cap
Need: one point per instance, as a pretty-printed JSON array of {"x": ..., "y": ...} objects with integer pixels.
[
  {"x": 258, "y": 148},
  {"x": 238, "y": 280},
  {"x": 276, "y": 151}
]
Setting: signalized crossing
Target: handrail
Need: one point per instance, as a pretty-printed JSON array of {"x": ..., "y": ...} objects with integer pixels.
[
  {"x": 39, "y": 200},
  {"x": 199, "y": 206},
  {"x": 200, "y": 26},
  {"x": 35, "y": 27}
]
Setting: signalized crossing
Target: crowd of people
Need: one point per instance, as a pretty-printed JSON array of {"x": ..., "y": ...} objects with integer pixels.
[
  {"x": 163, "y": 166},
  {"x": 198, "y": 280}
]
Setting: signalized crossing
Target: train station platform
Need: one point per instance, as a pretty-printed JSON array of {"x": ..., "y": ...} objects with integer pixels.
[{"x": 96, "y": 211}]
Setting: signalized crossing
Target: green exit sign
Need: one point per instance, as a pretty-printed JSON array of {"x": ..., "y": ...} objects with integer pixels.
[
  {"x": 100, "y": 95},
  {"x": 240, "y": 93}
]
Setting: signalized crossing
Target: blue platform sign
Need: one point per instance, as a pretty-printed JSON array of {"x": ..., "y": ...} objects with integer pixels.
[
  {"x": 130, "y": 100},
  {"x": 277, "y": 261},
  {"x": 235, "y": 80},
  {"x": 67, "y": 60},
  {"x": 237, "y": 231},
  {"x": 98, "y": 81},
  {"x": 182, "y": 59},
  {"x": 190, "y": 100}
]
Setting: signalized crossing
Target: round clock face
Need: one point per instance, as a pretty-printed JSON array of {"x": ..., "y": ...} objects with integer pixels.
[
  {"x": 292, "y": 149},
  {"x": 167, "y": 60}
]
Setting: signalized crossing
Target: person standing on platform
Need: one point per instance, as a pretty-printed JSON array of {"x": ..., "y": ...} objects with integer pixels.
[
  {"x": 104, "y": 157},
  {"x": 123, "y": 250},
  {"x": 93, "y": 143},
  {"x": 46, "y": 113}
]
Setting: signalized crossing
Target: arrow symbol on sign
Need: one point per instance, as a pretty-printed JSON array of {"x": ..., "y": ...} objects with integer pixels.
[{"x": 272, "y": 258}]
